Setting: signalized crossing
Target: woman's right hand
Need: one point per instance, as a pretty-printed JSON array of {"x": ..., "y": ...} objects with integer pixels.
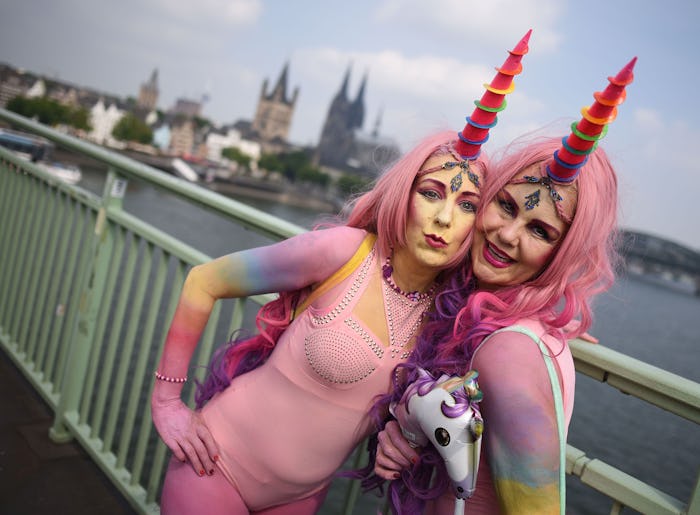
[
  {"x": 394, "y": 453},
  {"x": 185, "y": 433}
]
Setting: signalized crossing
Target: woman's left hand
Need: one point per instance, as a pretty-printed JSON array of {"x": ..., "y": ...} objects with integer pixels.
[
  {"x": 394, "y": 453},
  {"x": 184, "y": 432}
]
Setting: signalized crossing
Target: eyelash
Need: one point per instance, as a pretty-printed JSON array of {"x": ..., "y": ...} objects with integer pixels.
[
  {"x": 467, "y": 206},
  {"x": 506, "y": 206},
  {"x": 541, "y": 232},
  {"x": 430, "y": 194}
]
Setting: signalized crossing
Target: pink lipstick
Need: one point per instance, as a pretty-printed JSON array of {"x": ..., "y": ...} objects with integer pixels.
[
  {"x": 495, "y": 256},
  {"x": 435, "y": 241}
]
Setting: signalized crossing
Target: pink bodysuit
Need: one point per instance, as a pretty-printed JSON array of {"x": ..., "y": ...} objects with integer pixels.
[{"x": 284, "y": 428}]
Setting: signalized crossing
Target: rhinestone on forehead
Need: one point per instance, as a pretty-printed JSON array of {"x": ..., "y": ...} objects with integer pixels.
[
  {"x": 456, "y": 181},
  {"x": 532, "y": 200}
]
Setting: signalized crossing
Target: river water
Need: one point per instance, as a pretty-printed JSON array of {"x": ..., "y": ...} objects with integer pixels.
[{"x": 652, "y": 323}]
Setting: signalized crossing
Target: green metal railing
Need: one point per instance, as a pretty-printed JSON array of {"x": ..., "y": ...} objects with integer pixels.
[{"x": 86, "y": 286}]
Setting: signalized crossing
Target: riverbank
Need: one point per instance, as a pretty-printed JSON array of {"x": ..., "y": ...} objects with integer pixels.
[
  {"x": 238, "y": 186},
  {"x": 287, "y": 196}
]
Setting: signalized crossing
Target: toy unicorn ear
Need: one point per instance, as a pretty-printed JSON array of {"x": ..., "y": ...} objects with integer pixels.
[
  {"x": 585, "y": 135},
  {"x": 484, "y": 117}
]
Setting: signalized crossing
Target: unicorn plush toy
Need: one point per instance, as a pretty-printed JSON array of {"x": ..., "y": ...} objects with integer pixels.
[{"x": 444, "y": 412}]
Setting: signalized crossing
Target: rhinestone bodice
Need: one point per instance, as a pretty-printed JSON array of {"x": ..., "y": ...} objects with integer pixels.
[{"x": 341, "y": 350}]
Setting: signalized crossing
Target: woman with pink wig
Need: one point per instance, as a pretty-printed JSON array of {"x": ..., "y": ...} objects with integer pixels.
[
  {"x": 282, "y": 411},
  {"x": 543, "y": 247}
]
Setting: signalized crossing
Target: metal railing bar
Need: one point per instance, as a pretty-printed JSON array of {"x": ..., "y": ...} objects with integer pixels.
[
  {"x": 114, "y": 341},
  {"x": 659, "y": 387},
  {"x": 45, "y": 258},
  {"x": 27, "y": 302},
  {"x": 113, "y": 246},
  {"x": 144, "y": 351},
  {"x": 86, "y": 218}
]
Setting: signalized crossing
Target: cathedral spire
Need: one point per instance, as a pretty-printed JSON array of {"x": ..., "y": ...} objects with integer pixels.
[
  {"x": 360, "y": 99},
  {"x": 377, "y": 123},
  {"x": 153, "y": 82},
  {"x": 343, "y": 93},
  {"x": 273, "y": 115},
  {"x": 280, "y": 89},
  {"x": 356, "y": 113}
]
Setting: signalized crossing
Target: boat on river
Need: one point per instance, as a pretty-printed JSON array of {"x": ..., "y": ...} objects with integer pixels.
[{"x": 38, "y": 150}]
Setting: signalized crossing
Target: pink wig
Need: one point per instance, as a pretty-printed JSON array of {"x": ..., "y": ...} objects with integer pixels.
[{"x": 384, "y": 209}]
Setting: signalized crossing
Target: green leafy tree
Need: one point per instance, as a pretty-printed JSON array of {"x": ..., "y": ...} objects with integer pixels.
[
  {"x": 80, "y": 118},
  {"x": 312, "y": 174},
  {"x": 50, "y": 112},
  {"x": 201, "y": 122},
  {"x": 352, "y": 184},
  {"x": 236, "y": 155},
  {"x": 270, "y": 162},
  {"x": 130, "y": 128},
  {"x": 295, "y": 166}
]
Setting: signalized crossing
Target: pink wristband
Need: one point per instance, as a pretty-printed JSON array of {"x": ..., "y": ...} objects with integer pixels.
[{"x": 168, "y": 379}]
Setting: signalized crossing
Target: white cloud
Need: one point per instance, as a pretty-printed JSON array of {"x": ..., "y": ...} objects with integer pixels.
[
  {"x": 659, "y": 180},
  {"x": 647, "y": 118},
  {"x": 488, "y": 21},
  {"x": 228, "y": 12}
]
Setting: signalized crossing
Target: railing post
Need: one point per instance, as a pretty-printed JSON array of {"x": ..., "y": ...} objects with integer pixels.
[
  {"x": 92, "y": 282},
  {"x": 693, "y": 507}
]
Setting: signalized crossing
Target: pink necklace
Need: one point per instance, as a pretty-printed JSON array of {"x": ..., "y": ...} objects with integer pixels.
[{"x": 414, "y": 296}]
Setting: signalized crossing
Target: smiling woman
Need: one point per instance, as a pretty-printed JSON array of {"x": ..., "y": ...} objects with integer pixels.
[
  {"x": 543, "y": 247},
  {"x": 515, "y": 241}
]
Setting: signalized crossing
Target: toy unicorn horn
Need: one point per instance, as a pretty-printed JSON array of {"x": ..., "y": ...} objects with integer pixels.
[
  {"x": 444, "y": 413},
  {"x": 593, "y": 126},
  {"x": 485, "y": 116},
  {"x": 493, "y": 101}
]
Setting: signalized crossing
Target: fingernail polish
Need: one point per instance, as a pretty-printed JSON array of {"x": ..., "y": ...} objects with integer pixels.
[
  {"x": 201, "y": 472},
  {"x": 216, "y": 457},
  {"x": 396, "y": 475},
  {"x": 211, "y": 472},
  {"x": 414, "y": 460}
]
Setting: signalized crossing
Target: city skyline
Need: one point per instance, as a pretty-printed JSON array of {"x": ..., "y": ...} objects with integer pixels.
[{"x": 425, "y": 66}]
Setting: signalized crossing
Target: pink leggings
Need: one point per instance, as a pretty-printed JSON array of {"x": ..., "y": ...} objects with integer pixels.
[{"x": 185, "y": 493}]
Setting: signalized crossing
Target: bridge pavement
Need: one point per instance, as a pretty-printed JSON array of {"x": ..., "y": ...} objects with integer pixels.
[{"x": 37, "y": 476}]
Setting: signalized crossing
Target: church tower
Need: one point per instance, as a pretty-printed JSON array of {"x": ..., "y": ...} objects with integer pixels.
[
  {"x": 274, "y": 113},
  {"x": 344, "y": 117},
  {"x": 148, "y": 94}
]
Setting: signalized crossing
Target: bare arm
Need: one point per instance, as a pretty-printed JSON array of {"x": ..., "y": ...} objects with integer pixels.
[
  {"x": 289, "y": 265},
  {"x": 521, "y": 440}
]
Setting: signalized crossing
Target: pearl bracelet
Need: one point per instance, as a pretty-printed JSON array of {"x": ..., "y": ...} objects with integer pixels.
[{"x": 170, "y": 379}]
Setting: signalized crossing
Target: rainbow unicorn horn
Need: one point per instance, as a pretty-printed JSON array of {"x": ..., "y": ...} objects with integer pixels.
[
  {"x": 585, "y": 135},
  {"x": 476, "y": 131}
]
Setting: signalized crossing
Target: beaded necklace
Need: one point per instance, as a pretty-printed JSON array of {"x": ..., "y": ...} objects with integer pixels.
[{"x": 414, "y": 296}]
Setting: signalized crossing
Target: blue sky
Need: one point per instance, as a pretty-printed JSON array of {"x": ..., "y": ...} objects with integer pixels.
[{"x": 426, "y": 62}]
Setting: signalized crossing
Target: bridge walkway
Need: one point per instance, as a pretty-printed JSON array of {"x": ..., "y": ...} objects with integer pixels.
[{"x": 38, "y": 476}]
